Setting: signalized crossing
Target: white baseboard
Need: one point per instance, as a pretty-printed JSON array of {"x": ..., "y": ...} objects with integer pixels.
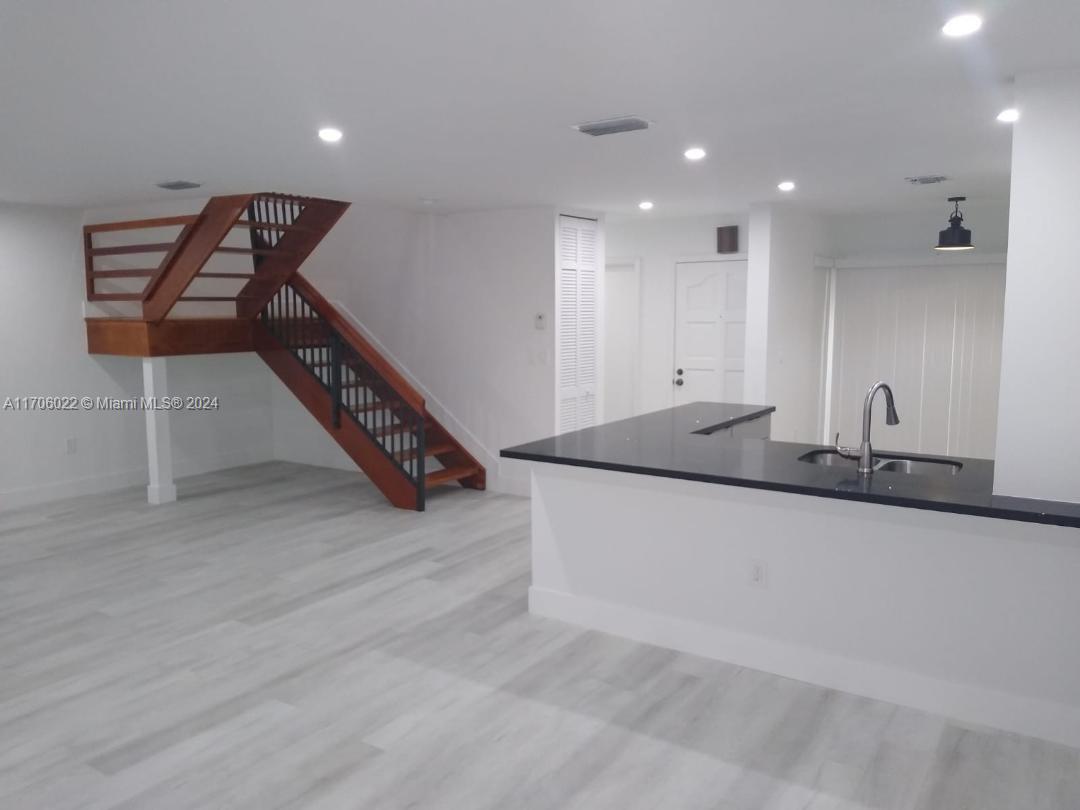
[
  {"x": 123, "y": 479},
  {"x": 223, "y": 461},
  {"x": 72, "y": 488},
  {"x": 962, "y": 702}
]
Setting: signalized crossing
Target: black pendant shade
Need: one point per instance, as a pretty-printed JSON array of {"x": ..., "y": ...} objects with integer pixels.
[{"x": 956, "y": 236}]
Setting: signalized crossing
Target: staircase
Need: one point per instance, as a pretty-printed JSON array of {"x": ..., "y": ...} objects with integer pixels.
[{"x": 359, "y": 398}]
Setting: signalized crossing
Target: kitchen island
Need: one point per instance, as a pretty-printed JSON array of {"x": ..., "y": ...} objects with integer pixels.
[{"x": 921, "y": 589}]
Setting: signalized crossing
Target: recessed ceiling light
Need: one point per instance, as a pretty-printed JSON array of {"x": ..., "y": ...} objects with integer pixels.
[
  {"x": 787, "y": 185},
  {"x": 1009, "y": 116},
  {"x": 330, "y": 134},
  {"x": 645, "y": 205},
  {"x": 962, "y": 25},
  {"x": 694, "y": 153}
]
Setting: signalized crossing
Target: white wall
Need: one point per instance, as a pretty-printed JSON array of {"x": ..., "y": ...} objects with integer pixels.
[
  {"x": 44, "y": 353},
  {"x": 785, "y": 316},
  {"x": 797, "y": 289},
  {"x": 658, "y": 244},
  {"x": 43, "y": 342},
  {"x": 759, "y": 245},
  {"x": 1038, "y": 454},
  {"x": 452, "y": 300}
]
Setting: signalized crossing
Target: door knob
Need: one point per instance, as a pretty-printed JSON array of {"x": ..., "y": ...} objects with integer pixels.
[
  {"x": 679, "y": 381},
  {"x": 678, "y": 371}
]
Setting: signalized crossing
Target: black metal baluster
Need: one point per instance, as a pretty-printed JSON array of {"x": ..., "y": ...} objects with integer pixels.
[
  {"x": 380, "y": 418},
  {"x": 335, "y": 378},
  {"x": 421, "y": 481},
  {"x": 349, "y": 395},
  {"x": 396, "y": 441},
  {"x": 361, "y": 380},
  {"x": 286, "y": 325},
  {"x": 305, "y": 335},
  {"x": 292, "y": 320},
  {"x": 309, "y": 334}
]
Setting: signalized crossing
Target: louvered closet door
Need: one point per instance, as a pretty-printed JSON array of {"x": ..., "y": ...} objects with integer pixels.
[{"x": 578, "y": 324}]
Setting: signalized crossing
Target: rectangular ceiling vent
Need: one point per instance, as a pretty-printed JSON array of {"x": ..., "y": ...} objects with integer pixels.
[
  {"x": 609, "y": 126},
  {"x": 926, "y": 179},
  {"x": 178, "y": 185}
]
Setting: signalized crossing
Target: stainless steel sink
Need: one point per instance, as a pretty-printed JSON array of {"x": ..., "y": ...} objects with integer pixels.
[
  {"x": 918, "y": 466},
  {"x": 883, "y": 463},
  {"x": 828, "y": 458}
]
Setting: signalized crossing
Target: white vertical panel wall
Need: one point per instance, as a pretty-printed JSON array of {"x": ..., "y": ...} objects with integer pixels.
[
  {"x": 577, "y": 324},
  {"x": 934, "y": 334}
]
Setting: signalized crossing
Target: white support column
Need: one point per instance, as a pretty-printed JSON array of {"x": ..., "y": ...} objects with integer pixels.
[{"x": 158, "y": 435}]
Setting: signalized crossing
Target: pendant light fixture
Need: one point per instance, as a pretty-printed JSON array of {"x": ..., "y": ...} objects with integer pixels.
[{"x": 956, "y": 236}]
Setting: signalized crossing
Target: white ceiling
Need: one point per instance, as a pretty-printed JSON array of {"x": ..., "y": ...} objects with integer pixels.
[{"x": 471, "y": 101}]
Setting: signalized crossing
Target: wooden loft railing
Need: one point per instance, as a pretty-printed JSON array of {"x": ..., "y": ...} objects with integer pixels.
[{"x": 284, "y": 230}]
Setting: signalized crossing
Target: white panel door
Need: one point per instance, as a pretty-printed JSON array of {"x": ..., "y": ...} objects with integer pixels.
[{"x": 710, "y": 331}]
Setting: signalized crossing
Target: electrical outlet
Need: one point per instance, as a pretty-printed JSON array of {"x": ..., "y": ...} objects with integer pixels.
[
  {"x": 759, "y": 574},
  {"x": 71, "y": 447}
]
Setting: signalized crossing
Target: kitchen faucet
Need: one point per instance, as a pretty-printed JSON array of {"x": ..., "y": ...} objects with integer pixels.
[{"x": 865, "y": 453}]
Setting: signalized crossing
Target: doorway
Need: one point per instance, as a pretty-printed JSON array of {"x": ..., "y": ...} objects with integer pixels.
[
  {"x": 622, "y": 285},
  {"x": 710, "y": 331}
]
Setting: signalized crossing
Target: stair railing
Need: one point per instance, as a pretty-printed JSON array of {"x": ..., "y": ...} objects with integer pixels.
[{"x": 388, "y": 411}]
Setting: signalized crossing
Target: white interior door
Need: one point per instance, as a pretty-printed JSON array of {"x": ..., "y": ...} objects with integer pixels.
[
  {"x": 710, "y": 331},
  {"x": 621, "y": 335}
]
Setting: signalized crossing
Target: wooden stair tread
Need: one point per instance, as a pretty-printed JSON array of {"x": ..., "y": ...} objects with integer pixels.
[
  {"x": 382, "y": 405},
  {"x": 224, "y": 275},
  {"x": 392, "y": 430},
  {"x": 445, "y": 476},
  {"x": 432, "y": 449}
]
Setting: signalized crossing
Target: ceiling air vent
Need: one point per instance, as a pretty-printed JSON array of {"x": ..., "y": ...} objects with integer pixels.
[
  {"x": 926, "y": 179},
  {"x": 178, "y": 185},
  {"x": 609, "y": 126}
]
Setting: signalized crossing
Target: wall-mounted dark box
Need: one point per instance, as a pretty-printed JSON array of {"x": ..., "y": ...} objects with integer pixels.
[{"x": 727, "y": 239}]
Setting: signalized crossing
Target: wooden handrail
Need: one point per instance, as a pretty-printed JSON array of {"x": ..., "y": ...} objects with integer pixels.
[
  {"x": 123, "y": 273},
  {"x": 124, "y": 250},
  {"x": 129, "y": 225},
  {"x": 359, "y": 343}
]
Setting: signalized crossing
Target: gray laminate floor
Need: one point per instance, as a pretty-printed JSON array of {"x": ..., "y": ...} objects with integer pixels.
[{"x": 280, "y": 638}]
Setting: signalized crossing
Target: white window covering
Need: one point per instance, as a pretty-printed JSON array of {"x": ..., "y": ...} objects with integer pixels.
[{"x": 577, "y": 324}]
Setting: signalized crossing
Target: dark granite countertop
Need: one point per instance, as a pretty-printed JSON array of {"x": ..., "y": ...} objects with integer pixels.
[{"x": 674, "y": 443}]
